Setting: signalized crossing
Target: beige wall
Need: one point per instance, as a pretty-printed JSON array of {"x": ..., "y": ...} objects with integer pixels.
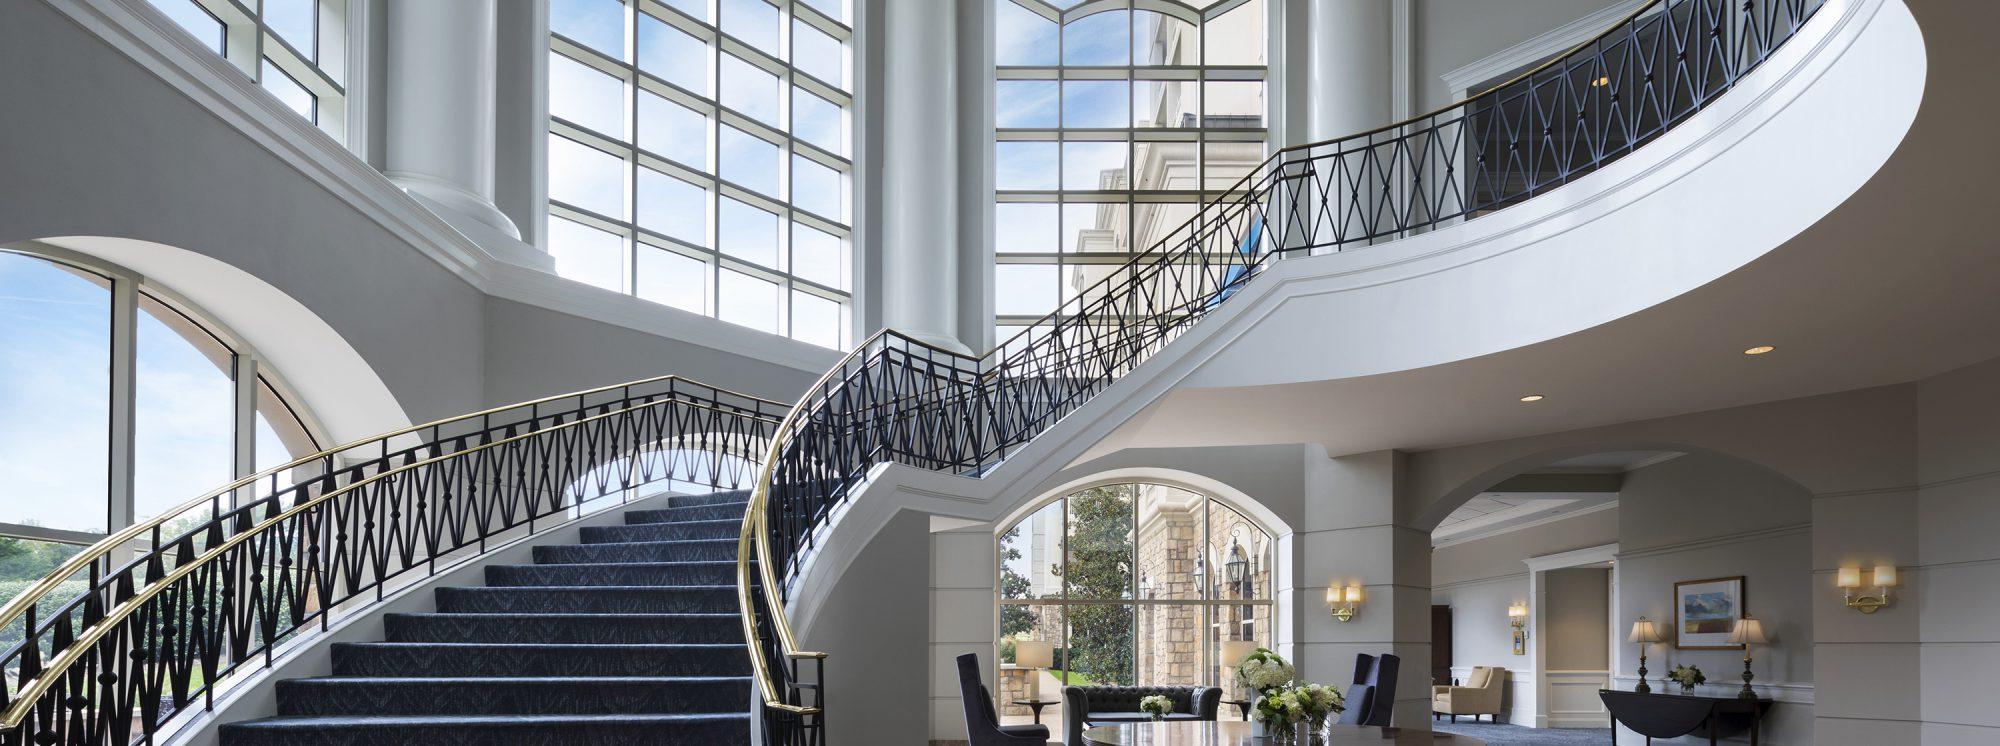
[
  {"x": 1577, "y": 619},
  {"x": 1953, "y": 579},
  {"x": 1450, "y": 34}
]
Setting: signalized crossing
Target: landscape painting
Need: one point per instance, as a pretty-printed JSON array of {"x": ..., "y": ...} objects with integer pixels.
[{"x": 1705, "y": 611}]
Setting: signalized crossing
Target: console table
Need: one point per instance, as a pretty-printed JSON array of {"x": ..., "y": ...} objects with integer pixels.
[{"x": 1673, "y": 715}]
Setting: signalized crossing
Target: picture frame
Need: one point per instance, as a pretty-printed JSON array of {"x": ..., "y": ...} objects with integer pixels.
[
  {"x": 1705, "y": 611},
  {"x": 1520, "y": 641}
]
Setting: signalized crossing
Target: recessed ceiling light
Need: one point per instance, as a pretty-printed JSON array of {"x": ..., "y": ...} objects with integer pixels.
[
  {"x": 1759, "y": 350},
  {"x": 1532, "y": 398}
]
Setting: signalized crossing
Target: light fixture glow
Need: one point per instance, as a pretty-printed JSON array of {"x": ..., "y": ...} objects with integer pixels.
[
  {"x": 1885, "y": 575},
  {"x": 1848, "y": 577},
  {"x": 1759, "y": 350},
  {"x": 1532, "y": 398}
]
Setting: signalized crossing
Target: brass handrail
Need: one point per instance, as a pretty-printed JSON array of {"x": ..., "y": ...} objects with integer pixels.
[
  {"x": 33, "y": 594},
  {"x": 29, "y": 694}
]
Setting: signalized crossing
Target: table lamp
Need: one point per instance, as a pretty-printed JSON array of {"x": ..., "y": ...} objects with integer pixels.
[
  {"x": 1034, "y": 655},
  {"x": 1747, "y": 632},
  {"x": 1645, "y": 631},
  {"x": 1234, "y": 651}
]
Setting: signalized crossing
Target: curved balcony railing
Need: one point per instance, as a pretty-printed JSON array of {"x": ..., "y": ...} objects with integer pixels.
[
  {"x": 174, "y": 605},
  {"x": 897, "y": 399}
]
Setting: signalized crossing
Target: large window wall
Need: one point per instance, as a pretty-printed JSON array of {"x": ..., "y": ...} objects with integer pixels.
[
  {"x": 698, "y": 157},
  {"x": 120, "y": 403},
  {"x": 1115, "y": 120},
  {"x": 1133, "y": 584},
  {"x": 295, "y": 49}
]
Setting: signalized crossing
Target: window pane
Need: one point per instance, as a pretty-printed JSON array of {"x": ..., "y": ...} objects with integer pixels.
[
  {"x": 1100, "y": 543},
  {"x": 817, "y": 121},
  {"x": 1154, "y": 222},
  {"x": 1024, "y": 289},
  {"x": 1224, "y": 164},
  {"x": 1238, "y": 556},
  {"x": 1024, "y": 165},
  {"x": 1169, "y": 644},
  {"x": 280, "y": 438},
  {"x": 205, "y": 28},
  {"x": 672, "y": 207},
  {"x": 666, "y": 277},
  {"x": 586, "y": 254},
  {"x": 1237, "y": 38},
  {"x": 753, "y": 21},
  {"x": 818, "y": 55},
  {"x": 1094, "y": 165},
  {"x": 749, "y": 232},
  {"x": 748, "y": 301},
  {"x": 1024, "y": 103},
  {"x": 749, "y": 161},
  {"x": 294, "y": 21},
  {"x": 677, "y": 58},
  {"x": 1161, "y": 166},
  {"x": 1095, "y": 103},
  {"x": 1100, "y": 645},
  {"x": 1251, "y": 622},
  {"x": 1169, "y": 545},
  {"x": 288, "y": 91},
  {"x": 816, "y": 320},
  {"x": 1031, "y": 559},
  {"x": 1024, "y": 227},
  {"x": 598, "y": 24},
  {"x": 1159, "y": 39},
  {"x": 1098, "y": 39},
  {"x": 586, "y": 177},
  {"x": 183, "y": 422},
  {"x": 585, "y": 96},
  {"x": 816, "y": 188},
  {"x": 673, "y": 131},
  {"x": 818, "y": 256},
  {"x": 1021, "y": 37},
  {"x": 55, "y": 387},
  {"x": 696, "y": 9},
  {"x": 1167, "y": 103},
  {"x": 750, "y": 90},
  {"x": 1234, "y": 104},
  {"x": 835, "y": 9}
]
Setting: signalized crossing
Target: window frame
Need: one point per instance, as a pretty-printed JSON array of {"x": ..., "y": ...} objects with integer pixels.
[{"x": 248, "y": 42}]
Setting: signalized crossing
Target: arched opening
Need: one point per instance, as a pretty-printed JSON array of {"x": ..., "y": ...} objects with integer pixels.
[
  {"x": 1129, "y": 583},
  {"x": 1541, "y": 567}
]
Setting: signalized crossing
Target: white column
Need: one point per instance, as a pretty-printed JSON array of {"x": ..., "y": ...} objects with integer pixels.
[
  {"x": 919, "y": 171},
  {"x": 1350, "y": 51},
  {"x": 441, "y": 116}
]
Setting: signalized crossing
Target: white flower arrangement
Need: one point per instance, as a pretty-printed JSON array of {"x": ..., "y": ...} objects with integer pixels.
[
  {"x": 1283, "y": 708},
  {"x": 1157, "y": 705},
  {"x": 1264, "y": 671}
]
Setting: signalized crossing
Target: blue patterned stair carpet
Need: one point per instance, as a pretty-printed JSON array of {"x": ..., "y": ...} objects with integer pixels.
[{"x": 631, "y": 637}]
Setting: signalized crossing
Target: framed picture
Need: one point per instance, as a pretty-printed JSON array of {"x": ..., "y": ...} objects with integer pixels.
[
  {"x": 1520, "y": 641},
  {"x": 1705, "y": 611}
]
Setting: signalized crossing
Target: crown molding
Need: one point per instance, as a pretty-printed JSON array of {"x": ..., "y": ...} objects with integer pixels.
[{"x": 1548, "y": 44}]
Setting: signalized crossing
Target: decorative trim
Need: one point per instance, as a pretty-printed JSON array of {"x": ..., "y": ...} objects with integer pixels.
[
  {"x": 1716, "y": 541},
  {"x": 1457, "y": 584},
  {"x": 1548, "y": 44},
  {"x": 1573, "y": 558},
  {"x": 1511, "y": 528},
  {"x": 148, "y": 38}
]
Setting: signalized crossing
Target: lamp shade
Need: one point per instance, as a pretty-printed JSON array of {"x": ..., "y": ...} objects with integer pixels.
[
  {"x": 1517, "y": 611},
  {"x": 1234, "y": 651},
  {"x": 1646, "y": 630},
  {"x": 1847, "y": 577},
  {"x": 1034, "y": 654},
  {"x": 1354, "y": 594},
  {"x": 1885, "y": 575},
  {"x": 1747, "y": 631}
]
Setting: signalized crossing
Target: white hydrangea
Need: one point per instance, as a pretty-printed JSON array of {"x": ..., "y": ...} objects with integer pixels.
[
  {"x": 1157, "y": 704},
  {"x": 1264, "y": 670}
]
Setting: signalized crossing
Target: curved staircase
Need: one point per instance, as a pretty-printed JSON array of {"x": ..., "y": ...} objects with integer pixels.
[{"x": 629, "y": 637}]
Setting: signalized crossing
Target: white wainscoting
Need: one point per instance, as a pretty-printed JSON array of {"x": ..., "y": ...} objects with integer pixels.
[
  {"x": 1573, "y": 701},
  {"x": 1518, "y": 705}
]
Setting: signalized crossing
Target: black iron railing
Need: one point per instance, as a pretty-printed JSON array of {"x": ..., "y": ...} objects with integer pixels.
[
  {"x": 897, "y": 399},
  {"x": 171, "y": 607}
]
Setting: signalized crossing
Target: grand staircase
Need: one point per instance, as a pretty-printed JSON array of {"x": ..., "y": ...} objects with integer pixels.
[{"x": 629, "y": 637}]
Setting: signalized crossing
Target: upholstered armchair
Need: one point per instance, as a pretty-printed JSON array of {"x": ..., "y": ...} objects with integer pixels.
[
  {"x": 1480, "y": 696},
  {"x": 982, "y": 723},
  {"x": 1086, "y": 705}
]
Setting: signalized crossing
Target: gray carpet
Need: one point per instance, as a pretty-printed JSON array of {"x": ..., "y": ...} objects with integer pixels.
[{"x": 1506, "y": 734}]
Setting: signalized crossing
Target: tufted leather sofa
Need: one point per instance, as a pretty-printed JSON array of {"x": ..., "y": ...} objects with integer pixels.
[{"x": 1088, "y": 705}]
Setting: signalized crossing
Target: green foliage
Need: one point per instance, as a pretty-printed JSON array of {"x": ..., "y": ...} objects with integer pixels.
[
  {"x": 22, "y": 562},
  {"x": 1014, "y": 619},
  {"x": 1100, "y": 566}
]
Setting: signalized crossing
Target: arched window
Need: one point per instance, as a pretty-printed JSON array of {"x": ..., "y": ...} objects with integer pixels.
[
  {"x": 1114, "y": 120},
  {"x": 698, "y": 157},
  {"x": 295, "y": 49},
  {"x": 1133, "y": 584},
  {"x": 119, "y": 402}
]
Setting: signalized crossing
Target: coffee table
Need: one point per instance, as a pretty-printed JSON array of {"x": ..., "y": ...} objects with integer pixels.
[{"x": 1239, "y": 733}]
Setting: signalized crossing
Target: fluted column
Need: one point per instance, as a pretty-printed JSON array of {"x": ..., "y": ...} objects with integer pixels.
[
  {"x": 919, "y": 171},
  {"x": 441, "y": 115}
]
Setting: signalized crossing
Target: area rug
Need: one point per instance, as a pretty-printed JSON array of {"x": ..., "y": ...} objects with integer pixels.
[{"x": 1508, "y": 734}]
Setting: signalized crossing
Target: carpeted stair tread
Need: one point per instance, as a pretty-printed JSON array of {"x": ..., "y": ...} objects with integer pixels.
[
  {"x": 464, "y": 660},
  {"x": 605, "y": 599},
  {"x": 565, "y": 695},
  {"x": 709, "y": 550},
  {"x": 609, "y": 629},
  {"x": 709, "y": 512},
  {"x": 613, "y": 573},
  {"x": 725, "y": 528},
  {"x": 543, "y": 730},
  {"x": 716, "y": 498}
]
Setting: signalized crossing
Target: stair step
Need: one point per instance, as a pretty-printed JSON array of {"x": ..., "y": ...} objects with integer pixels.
[
  {"x": 626, "y": 573},
  {"x": 609, "y": 599},
  {"x": 714, "y": 511},
  {"x": 543, "y": 730},
  {"x": 567, "y": 695},
  {"x": 606, "y": 629},
  {"x": 722, "y": 528},
  {"x": 442, "y": 659},
  {"x": 713, "y": 498},
  {"x": 713, "y": 550}
]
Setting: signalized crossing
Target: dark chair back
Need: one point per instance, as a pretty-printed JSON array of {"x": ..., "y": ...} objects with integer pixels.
[
  {"x": 982, "y": 723},
  {"x": 1371, "y": 700}
]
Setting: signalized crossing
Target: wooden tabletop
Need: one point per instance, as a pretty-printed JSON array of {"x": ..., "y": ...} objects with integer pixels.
[{"x": 1238, "y": 733}]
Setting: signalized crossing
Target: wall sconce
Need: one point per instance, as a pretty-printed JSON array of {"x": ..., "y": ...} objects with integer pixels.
[
  {"x": 1517, "y": 617},
  {"x": 1343, "y": 602},
  {"x": 1849, "y": 578}
]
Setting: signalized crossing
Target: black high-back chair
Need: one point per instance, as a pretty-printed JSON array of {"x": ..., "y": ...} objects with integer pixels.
[
  {"x": 1371, "y": 699},
  {"x": 982, "y": 724}
]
